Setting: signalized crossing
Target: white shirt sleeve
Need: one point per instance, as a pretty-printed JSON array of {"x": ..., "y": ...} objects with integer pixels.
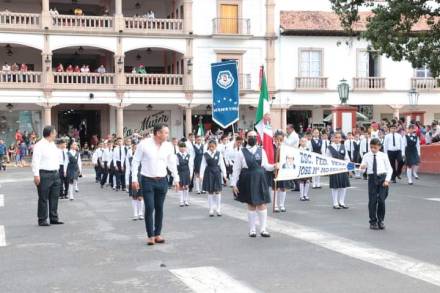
[
  {"x": 418, "y": 146},
  {"x": 137, "y": 159},
  {"x": 385, "y": 144},
  {"x": 191, "y": 166},
  {"x": 236, "y": 169},
  {"x": 388, "y": 168},
  {"x": 172, "y": 166},
  {"x": 36, "y": 158},
  {"x": 221, "y": 163},
  {"x": 202, "y": 166},
  {"x": 66, "y": 161},
  {"x": 79, "y": 163}
]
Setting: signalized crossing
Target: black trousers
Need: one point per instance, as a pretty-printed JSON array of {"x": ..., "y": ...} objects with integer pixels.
[
  {"x": 120, "y": 176},
  {"x": 104, "y": 173},
  {"x": 377, "y": 195},
  {"x": 48, "y": 193},
  {"x": 111, "y": 174},
  {"x": 64, "y": 186},
  {"x": 98, "y": 173},
  {"x": 154, "y": 192},
  {"x": 395, "y": 157}
]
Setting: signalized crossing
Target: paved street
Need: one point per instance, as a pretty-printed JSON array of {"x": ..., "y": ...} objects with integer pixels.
[{"x": 313, "y": 247}]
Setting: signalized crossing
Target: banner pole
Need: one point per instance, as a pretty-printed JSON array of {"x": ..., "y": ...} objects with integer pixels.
[{"x": 275, "y": 174}]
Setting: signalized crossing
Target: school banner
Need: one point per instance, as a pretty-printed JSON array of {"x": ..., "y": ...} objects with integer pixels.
[
  {"x": 296, "y": 164},
  {"x": 225, "y": 95}
]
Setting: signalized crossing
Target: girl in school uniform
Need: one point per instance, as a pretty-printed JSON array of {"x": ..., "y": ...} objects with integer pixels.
[
  {"x": 249, "y": 183},
  {"x": 356, "y": 156},
  {"x": 281, "y": 186},
  {"x": 304, "y": 183},
  {"x": 316, "y": 147},
  {"x": 412, "y": 153},
  {"x": 198, "y": 156},
  {"x": 137, "y": 200},
  {"x": 325, "y": 143},
  {"x": 338, "y": 182},
  {"x": 213, "y": 172},
  {"x": 112, "y": 170},
  {"x": 73, "y": 168},
  {"x": 185, "y": 169}
]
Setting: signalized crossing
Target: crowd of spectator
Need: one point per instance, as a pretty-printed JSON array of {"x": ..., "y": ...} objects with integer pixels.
[{"x": 83, "y": 69}]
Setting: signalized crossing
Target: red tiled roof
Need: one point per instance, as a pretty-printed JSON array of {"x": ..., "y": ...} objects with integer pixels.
[{"x": 326, "y": 22}]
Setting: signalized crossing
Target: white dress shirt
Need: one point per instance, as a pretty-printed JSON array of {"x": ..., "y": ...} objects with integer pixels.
[
  {"x": 190, "y": 162},
  {"x": 365, "y": 146},
  {"x": 62, "y": 158},
  {"x": 383, "y": 164},
  {"x": 45, "y": 157},
  {"x": 388, "y": 144},
  {"x": 154, "y": 160},
  {"x": 240, "y": 163},
  {"x": 96, "y": 156},
  {"x": 337, "y": 147},
  {"x": 190, "y": 150},
  {"x": 107, "y": 156},
  {"x": 221, "y": 163},
  {"x": 325, "y": 145},
  {"x": 119, "y": 157},
  {"x": 292, "y": 139}
]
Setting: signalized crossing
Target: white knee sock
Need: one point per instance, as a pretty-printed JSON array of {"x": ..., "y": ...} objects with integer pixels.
[
  {"x": 306, "y": 189},
  {"x": 134, "y": 204},
  {"x": 335, "y": 196},
  {"x": 415, "y": 170},
  {"x": 210, "y": 202},
  {"x": 301, "y": 190},
  {"x": 252, "y": 215},
  {"x": 181, "y": 196},
  {"x": 409, "y": 173},
  {"x": 186, "y": 195},
  {"x": 282, "y": 195},
  {"x": 342, "y": 192},
  {"x": 219, "y": 202},
  {"x": 318, "y": 181},
  {"x": 262, "y": 216},
  {"x": 197, "y": 184},
  {"x": 276, "y": 198},
  {"x": 140, "y": 207},
  {"x": 70, "y": 191},
  {"x": 76, "y": 185}
]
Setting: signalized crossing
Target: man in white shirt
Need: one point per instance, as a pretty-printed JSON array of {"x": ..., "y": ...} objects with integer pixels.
[
  {"x": 45, "y": 167},
  {"x": 292, "y": 138},
  {"x": 155, "y": 155},
  {"x": 393, "y": 145},
  {"x": 379, "y": 172},
  {"x": 119, "y": 154}
]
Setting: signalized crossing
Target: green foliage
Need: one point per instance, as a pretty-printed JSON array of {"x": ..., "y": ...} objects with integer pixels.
[{"x": 391, "y": 29}]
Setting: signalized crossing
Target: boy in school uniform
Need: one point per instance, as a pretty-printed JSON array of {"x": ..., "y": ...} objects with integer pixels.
[
  {"x": 63, "y": 165},
  {"x": 379, "y": 171}
]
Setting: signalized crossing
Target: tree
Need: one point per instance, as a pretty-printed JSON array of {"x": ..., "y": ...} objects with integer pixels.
[{"x": 399, "y": 29}]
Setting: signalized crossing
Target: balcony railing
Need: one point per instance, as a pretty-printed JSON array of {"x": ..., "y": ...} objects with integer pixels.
[
  {"x": 22, "y": 20},
  {"x": 425, "y": 84},
  {"x": 369, "y": 83},
  {"x": 245, "y": 82},
  {"x": 140, "y": 24},
  {"x": 313, "y": 83},
  {"x": 232, "y": 26},
  {"x": 86, "y": 23},
  {"x": 19, "y": 79},
  {"x": 148, "y": 81},
  {"x": 79, "y": 79}
]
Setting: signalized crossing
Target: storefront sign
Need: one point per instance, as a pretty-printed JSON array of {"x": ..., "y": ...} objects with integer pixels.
[{"x": 144, "y": 121}]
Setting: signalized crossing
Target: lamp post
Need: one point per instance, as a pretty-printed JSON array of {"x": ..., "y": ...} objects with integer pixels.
[
  {"x": 413, "y": 96},
  {"x": 344, "y": 91}
]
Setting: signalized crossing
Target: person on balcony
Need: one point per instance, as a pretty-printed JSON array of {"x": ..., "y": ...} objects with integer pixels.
[
  {"x": 77, "y": 69},
  {"x": 59, "y": 68},
  {"x": 141, "y": 69},
  {"x": 101, "y": 69},
  {"x": 69, "y": 68},
  {"x": 78, "y": 12},
  {"x": 150, "y": 15},
  {"x": 7, "y": 69}
]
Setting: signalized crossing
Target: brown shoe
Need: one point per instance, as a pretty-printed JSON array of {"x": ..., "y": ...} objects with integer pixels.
[
  {"x": 159, "y": 240},
  {"x": 150, "y": 241}
]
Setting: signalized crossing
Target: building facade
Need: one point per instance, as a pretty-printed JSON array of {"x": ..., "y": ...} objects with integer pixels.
[{"x": 157, "y": 56}]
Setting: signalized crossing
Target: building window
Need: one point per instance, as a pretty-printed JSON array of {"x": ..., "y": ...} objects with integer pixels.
[
  {"x": 423, "y": 72},
  {"x": 311, "y": 63},
  {"x": 437, "y": 116},
  {"x": 367, "y": 64}
]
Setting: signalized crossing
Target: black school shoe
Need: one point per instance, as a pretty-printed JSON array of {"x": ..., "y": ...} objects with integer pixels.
[
  {"x": 43, "y": 224},
  {"x": 374, "y": 226},
  {"x": 265, "y": 234},
  {"x": 381, "y": 226},
  {"x": 343, "y": 206},
  {"x": 252, "y": 234}
]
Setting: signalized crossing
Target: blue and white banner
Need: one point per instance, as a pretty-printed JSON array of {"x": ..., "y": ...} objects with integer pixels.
[
  {"x": 225, "y": 95},
  {"x": 296, "y": 163}
]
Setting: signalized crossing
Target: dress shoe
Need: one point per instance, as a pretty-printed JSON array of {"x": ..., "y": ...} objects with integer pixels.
[
  {"x": 56, "y": 223},
  {"x": 150, "y": 242},
  {"x": 410, "y": 183},
  {"x": 159, "y": 240},
  {"x": 374, "y": 226},
  {"x": 307, "y": 198},
  {"x": 43, "y": 224},
  {"x": 276, "y": 210},
  {"x": 211, "y": 213},
  {"x": 381, "y": 226},
  {"x": 343, "y": 206},
  {"x": 265, "y": 234},
  {"x": 336, "y": 207},
  {"x": 283, "y": 209},
  {"x": 417, "y": 177},
  {"x": 219, "y": 214},
  {"x": 252, "y": 234}
]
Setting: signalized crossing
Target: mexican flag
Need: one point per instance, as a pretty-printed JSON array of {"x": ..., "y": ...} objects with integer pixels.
[{"x": 263, "y": 119}]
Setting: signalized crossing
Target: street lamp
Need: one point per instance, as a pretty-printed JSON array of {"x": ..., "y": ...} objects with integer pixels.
[
  {"x": 344, "y": 91},
  {"x": 413, "y": 96}
]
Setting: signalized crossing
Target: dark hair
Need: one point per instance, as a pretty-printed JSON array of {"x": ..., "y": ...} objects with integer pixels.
[
  {"x": 239, "y": 138},
  {"x": 182, "y": 144},
  {"x": 158, "y": 127},
  {"x": 212, "y": 142},
  {"x": 375, "y": 141},
  {"x": 60, "y": 141},
  {"x": 47, "y": 130},
  {"x": 411, "y": 126}
]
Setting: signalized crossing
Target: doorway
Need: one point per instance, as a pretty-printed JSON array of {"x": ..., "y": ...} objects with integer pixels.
[
  {"x": 299, "y": 119},
  {"x": 80, "y": 124}
]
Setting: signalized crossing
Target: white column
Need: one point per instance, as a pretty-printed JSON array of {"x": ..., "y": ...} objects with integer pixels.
[
  {"x": 120, "y": 121},
  {"x": 188, "y": 120},
  {"x": 118, "y": 7},
  {"x": 283, "y": 119},
  {"x": 45, "y": 5},
  {"x": 47, "y": 115},
  {"x": 187, "y": 14}
]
